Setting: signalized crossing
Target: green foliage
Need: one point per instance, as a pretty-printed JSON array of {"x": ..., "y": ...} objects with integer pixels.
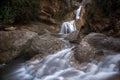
[
  {"x": 13, "y": 11},
  {"x": 8, "y": 14}
]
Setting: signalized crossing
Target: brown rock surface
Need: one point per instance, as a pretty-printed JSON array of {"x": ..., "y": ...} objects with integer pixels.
[
  {"x": 25, "y": 43},
  {"x": 55, "y": 10},
  {"x": 103, "y": 17},
  {"x": 96, "y": 45},
  {"x": 72, "y": 36},
  {"x": 44, "y": 44},
  {"x": 13, "y": 42}
]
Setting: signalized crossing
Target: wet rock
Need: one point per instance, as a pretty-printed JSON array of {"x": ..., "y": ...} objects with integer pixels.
[
  {"x": 44, "y": 44},
  {"x": 118, "y": 65},
  {"x": 2, "y": 65},
  {"x": 12, "y": 43},
  {"x": 72, "y": 36},
  {"x": 114, "y": 77},
  {"x": 25, "y": 43},
  {"x": 40, "y": 28},
  {"x": 103, "y": 42},
  {"x": 10, "y": 28},
  {"x": 96, "y": 44}
]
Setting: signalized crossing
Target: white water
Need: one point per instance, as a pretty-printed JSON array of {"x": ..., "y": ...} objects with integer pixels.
[
  {"x": 59, "y": 67},
  {"x": 78, "y": 12},
  {"x": 70, "y": 26}
]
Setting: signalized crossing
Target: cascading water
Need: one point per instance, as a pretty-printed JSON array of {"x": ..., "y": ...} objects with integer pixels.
[
  {"x": 70, "y": 26},
  {"x": 78, "y": 12},
  {"x": 59, "y": 67}
]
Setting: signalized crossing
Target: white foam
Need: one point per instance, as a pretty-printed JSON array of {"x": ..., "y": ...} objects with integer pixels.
[
  {"x": 68, "y": 27},
  {"x": 78, "y": 12},
  {"x": 58, "y": 67}
]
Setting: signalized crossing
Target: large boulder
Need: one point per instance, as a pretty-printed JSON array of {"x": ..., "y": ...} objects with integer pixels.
[
  {"x": 40, "y": 28},
  {"x": 72, "y": 37},
  {"x": 96, "y": 44},
  {"x": 12, "y": 43},
  {"x": 44, "y": 44},
  {"x": 25, "y": 43}
]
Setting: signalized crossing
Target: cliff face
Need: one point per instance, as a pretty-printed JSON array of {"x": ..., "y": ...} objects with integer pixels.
[
  {"x": 103, "y": 16},
  {"x": 56, "y": 10},
  {"x": 26, "y": 10},
  {"x": 100, "y": 16}
]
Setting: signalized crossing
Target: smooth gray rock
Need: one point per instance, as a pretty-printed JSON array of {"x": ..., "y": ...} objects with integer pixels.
[
  {"x": 96, "y": 44},
  {"x": 25, "y": 43},
  {"x": 45, "y": 44},
  {"x": 12, "y": 43}
]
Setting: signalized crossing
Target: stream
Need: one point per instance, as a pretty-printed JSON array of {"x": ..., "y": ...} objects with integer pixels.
[{"x": 58, "y": 66}]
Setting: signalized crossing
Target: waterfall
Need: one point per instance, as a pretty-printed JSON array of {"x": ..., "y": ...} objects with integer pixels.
[
  {"x": 58, "y": 66},
  {"x": 70, "y": 26},
  {"x": 78, "y": 12}
]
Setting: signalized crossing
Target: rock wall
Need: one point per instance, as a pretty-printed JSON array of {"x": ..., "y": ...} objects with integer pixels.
[
  {"x": 103, "y": 16},
  {"x": 55, "y": 10}
]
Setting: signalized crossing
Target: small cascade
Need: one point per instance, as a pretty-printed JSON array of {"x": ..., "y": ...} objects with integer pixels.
[
  {"x": 70, "y": 26},
  {"x": 78, "y": 12},
  {"x": 59, "y": 67},
  {"x": 42, "y": 69}
]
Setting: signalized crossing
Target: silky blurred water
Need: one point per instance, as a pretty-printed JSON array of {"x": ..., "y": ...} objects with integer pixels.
[{"x": 59, "y": 67}]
